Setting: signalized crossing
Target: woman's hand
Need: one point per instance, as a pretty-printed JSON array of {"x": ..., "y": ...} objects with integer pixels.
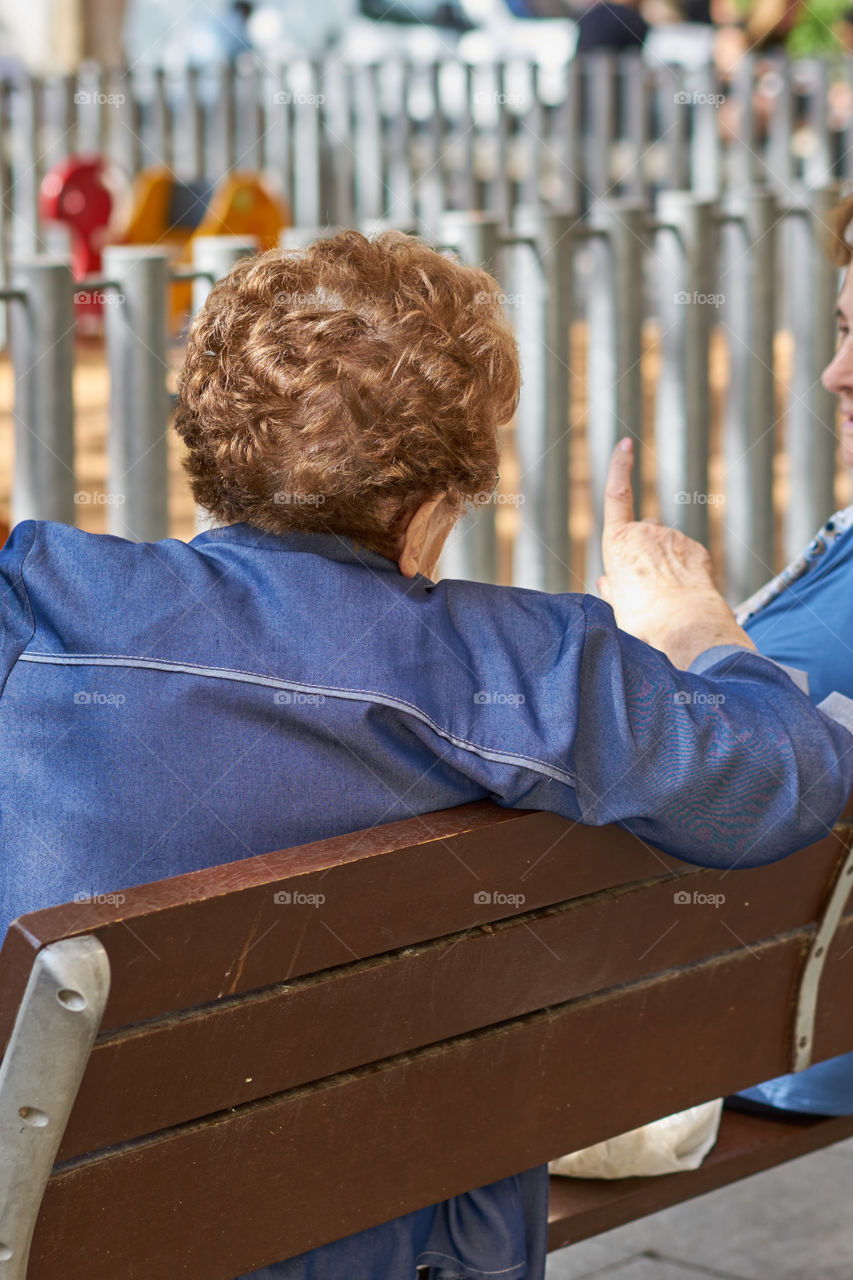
[{"x": 657, "y": 579}]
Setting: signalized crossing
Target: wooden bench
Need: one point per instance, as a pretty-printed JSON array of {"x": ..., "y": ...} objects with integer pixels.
[{"x": 278, "y": 1052}]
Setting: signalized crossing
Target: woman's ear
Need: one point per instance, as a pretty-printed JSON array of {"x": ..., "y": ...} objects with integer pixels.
[{"x": 416, "y": 537}]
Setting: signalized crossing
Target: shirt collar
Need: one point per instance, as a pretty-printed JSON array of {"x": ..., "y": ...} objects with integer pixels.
[{"x": 333, "y": 546}]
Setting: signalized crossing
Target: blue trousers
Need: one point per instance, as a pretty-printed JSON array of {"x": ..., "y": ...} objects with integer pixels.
[{"x": 498, "y": 1232}]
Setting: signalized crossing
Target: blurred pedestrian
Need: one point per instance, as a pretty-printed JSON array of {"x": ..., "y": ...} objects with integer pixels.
[{"x": 607, "y": 24}]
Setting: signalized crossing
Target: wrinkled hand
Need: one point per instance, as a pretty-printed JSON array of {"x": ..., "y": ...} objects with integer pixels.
[{"x": 658, "y": 580}]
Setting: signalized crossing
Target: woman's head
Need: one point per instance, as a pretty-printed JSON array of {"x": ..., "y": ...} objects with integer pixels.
[
  {"x": 341, "y": 387},
  {"x": 838, "y": 375}
]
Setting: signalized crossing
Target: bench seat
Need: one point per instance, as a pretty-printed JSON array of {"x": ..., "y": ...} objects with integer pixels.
[{"x": 747, "y": 1144}]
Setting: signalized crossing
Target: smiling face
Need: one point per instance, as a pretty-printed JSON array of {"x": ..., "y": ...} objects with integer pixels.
[{"x": 838, "y": 375}]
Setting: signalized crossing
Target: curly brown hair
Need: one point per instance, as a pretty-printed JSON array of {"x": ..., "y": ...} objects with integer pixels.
[{"x": 336, "y": 387}]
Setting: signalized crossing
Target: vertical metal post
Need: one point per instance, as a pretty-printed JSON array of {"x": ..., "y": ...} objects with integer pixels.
[
  {"x": 42, "y": 343},
  {"x": 431, "y": 136},
  {"x": 280, "y": 133},
  {"x": 747, "y": 279},
  {"x": 135, "y": 331},
  {"x": 125, "y": 142},
  {"x": 499, "y": 188},
  {"x": 248, "y": 132},
  {"x": 367, "y": 143},
  {"x": 465, "y": 189},
  {"x": 674, "y": 113},
  {"x": 216, "y": 255},
  {"x": 601, "y": 87},
  {"x": 340, "y": 151},
  {"x": 705, "y": 161},
  {"x": 743, "y": 160},
  {"x": 224, "y": 137},
  {"x": 401, "y": 203},
  {"x": 542, "y": 283},
  {"x": 615, "y": 346},
  {"x": 471, "y": 550},
  {"x": 810, "y": 434},
  {"x": 60, "y": 120},
  {"x": 846, "y": 139},
  {"x": 5, "y": 205},
  {"x": 89, "y": 100},
  {"x": 568, "y": 145},
  {"x": 160, "y": 131},
  {"x": 687, "y": 309},
  {"x": 530, "y": 127},
  {"x": 192, "y": 129},
  {"x": 307, "y": 194},
  {"x": 779, "y": 157},
  {"x": 25, "y": 120},
  {"x": 818, "y": 166},
  {"x": 635, "y": 115}
]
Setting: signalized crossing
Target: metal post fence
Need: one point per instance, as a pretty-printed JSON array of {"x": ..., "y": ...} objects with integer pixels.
[
  {"x": 42, "y": 343},
  {"x": 347, "y": 141},
  {"x": 661, "y": 275},
  {"x": 135, "y": 331}
]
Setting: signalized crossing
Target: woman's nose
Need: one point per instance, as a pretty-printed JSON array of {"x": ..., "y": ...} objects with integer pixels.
[{"x": 837, "y": 377}]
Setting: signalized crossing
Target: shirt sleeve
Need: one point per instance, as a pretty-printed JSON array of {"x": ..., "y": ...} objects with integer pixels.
[
  {"x": 731, "y": 765},
  {"x": 17, "y": 625}
]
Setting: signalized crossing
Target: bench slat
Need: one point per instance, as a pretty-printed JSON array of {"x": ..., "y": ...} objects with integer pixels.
[
  {"x": 257, "y": 1183},
  {"x": 419, "y": 883},
  {"x": 194, "y": 1064},
  {"x": 192, "y": 938}
]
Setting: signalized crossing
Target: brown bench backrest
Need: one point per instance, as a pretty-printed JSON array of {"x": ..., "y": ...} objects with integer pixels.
[{"x": 301, "y": 1045}]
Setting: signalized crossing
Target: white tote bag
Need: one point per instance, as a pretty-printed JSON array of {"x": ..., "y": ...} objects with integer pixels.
[{"x": 670, "y": 1145}]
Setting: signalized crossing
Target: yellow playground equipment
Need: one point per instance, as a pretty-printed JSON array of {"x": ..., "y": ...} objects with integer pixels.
[{"x": 165, "y": 211}]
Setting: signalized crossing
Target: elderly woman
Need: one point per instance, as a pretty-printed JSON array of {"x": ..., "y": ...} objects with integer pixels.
[
  {"x": 804, "y": 617},
  {"x": 297, "y": 672}
]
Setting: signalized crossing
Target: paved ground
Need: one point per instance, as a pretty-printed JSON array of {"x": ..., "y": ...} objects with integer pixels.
[{"x": 791, "y": 1223}]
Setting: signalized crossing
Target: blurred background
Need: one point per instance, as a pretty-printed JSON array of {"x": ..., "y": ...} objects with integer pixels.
[{"x": 649, "y": 180}]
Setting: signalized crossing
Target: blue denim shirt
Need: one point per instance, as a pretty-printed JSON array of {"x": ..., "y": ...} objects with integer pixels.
[{"x": 170, "y": 706}]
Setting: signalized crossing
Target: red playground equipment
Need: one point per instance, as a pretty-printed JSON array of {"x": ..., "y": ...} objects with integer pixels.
[
  {"x": 85, "y": 194},
  {"x": 76, "y": 192}
]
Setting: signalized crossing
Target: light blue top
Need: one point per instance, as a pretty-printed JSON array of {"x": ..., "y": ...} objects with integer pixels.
[{"x": 807, "y": 622}]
